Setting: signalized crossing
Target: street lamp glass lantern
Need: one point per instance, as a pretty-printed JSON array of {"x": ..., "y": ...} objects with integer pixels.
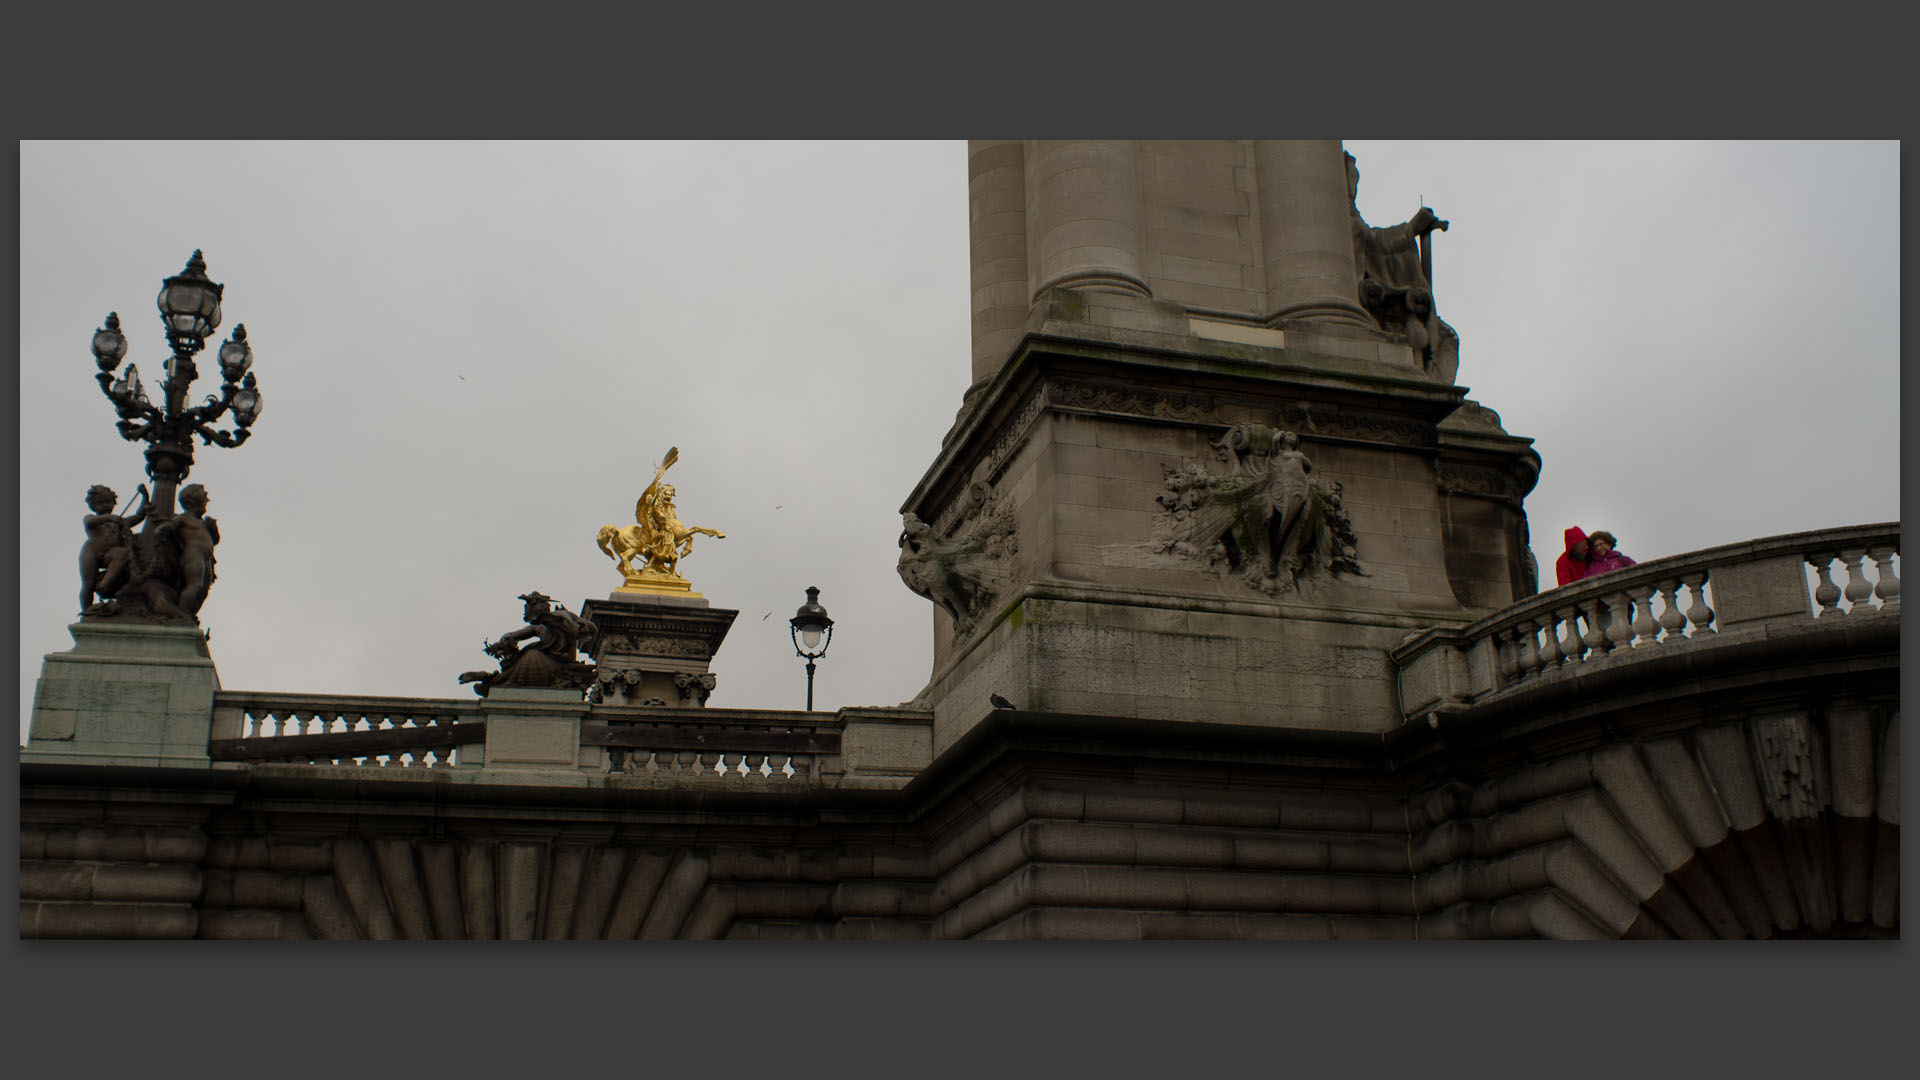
[
  {"x": 236, "y": 356},
  {"x": 812, "y": 629},
  {"x": 109, "y": 344},
  {"x": 190, "y": 305},
  {"x": 246, "y": 407}
]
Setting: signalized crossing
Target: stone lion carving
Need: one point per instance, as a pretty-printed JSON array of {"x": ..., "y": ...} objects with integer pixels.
[{"x": 1267, "y": 518}]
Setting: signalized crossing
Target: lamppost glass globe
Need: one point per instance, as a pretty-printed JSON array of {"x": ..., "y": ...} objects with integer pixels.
[
  {"x": 190, "y": 306},
  {"x": 812, "y": 628},
  {"x": 246, "y": 407},
  {"x": 109, "y": 344},
  {"x": 236, "y": 356}
]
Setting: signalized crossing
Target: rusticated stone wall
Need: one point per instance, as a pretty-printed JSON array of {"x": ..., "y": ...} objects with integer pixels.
[{"x": 1750, "y": 792}]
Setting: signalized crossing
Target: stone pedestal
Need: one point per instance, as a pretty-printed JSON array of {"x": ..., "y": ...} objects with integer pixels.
[
  {"x": 126, "y": 694},
  {"x": 1072, "y": 472},
  {"x": 532, "y": 730},
  {"x": 656, "y": 649}
]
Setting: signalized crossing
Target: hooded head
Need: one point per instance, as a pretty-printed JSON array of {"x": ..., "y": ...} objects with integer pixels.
[{"x": 1577, "y": 542}]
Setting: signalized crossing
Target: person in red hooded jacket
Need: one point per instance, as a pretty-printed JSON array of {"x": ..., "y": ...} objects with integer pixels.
[{"x": 1572, "y": 565}]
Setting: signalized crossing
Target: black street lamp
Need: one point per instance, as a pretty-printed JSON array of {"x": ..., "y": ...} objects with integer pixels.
[
  {"x": 190, "y": 309},
  {"x": 812, "y": 631},
  {"x": 163, "y": 572}
]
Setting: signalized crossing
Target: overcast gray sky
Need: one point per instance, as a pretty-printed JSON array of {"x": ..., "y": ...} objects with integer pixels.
[{"x": 472, "y": 354}]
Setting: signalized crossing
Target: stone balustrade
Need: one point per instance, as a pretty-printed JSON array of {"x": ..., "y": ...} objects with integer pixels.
[
  {"x": 616, "y": 745},
  {"x": 1662, "y": 605},
  {"x": 327, "y": 729}
]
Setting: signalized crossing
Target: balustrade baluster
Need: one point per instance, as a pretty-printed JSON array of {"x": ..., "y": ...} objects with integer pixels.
[
  {"x": 802, "y": 766},
  {"x": 756, "y": 764},
  {"x": 1503, "y": 655},
  {"x": 1644, "y": 626},
  {"x": 1572, "y": 646},
  {"x": 684, "y": 760},
  {"x": 1529, "y": 648},
  {"x": 1674, "y": 623},
  {"x": 253, "y": 723},
  {"x": 1698, "y": 613},
  {"x": 1888, "y": 590},
  {"x": 1826, "y": 594},
  {"x": 1859, "y": 589},
  {"x": 1619, "y": 621},
  {"x": 1549, "y": 642},
  {"x": 1595, "y": 638}
]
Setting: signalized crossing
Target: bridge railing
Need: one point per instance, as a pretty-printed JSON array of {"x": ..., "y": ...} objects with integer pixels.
[
  {"x": 329, "y": 729},
  {"x": 678, "y": 745},
  {"x": 1660, "y": 605}
]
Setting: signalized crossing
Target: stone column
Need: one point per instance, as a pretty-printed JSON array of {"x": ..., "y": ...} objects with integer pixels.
[
  {"x": 1306, "y": 229},
  {"x": 1082, "y": 210},
  {"x": 997, "y": 250}
]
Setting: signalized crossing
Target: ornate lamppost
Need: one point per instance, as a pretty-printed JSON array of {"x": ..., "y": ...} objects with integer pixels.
[
  {"x": 161, "y": 574},
  {"x": 812, "y": 632}
]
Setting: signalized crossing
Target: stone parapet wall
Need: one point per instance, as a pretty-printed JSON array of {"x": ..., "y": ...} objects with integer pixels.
[{"x": 1771, "y": 812}]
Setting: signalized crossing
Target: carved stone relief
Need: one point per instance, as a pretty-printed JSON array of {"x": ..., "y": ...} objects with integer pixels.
[
  {"x": 1267, "y": 518},
  {"x": 1212, "y": 409},
  {"x": 695, "y": 687},
  {"x": 965, "y": 571},
  {"x": 652, "y": 645},
  {"x": 1792, "y": 766}
]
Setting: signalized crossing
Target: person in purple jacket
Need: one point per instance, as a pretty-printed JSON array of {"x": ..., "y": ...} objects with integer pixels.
[{"x": 1601, "y": 556}]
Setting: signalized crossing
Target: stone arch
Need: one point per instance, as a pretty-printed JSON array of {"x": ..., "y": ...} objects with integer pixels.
[{"x": 1784, "y": 823}]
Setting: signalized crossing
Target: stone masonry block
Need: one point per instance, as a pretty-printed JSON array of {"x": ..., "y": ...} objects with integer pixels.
[
  {"x": 1161, "y": 441},
  {"x": 1199, "y": 233},
  {"x": 1206, "y": 296},
  {"x": 1182, "y": 847},
  {"x": 1253, "y": 812},
  {"x": 1073, "y": 429},
  {"x": 1076, "y": 490},
  {"x": 1079, "y": 842},
  {"x": 899, "y": 748},
  {"x": 1763, "y": 589},
  {"x": 1212, "y": 272}
]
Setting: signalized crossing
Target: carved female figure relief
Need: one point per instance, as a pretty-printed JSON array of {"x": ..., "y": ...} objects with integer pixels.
[{"x": 1267, "y": 517}]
